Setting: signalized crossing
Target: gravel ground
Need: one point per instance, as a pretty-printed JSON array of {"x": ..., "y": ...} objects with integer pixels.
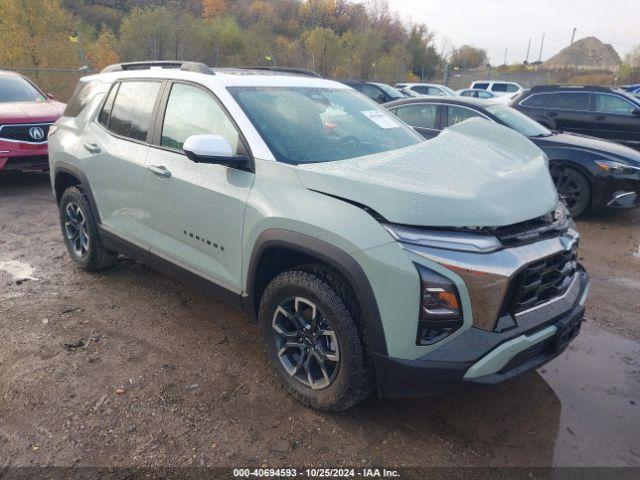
[{"x": 130, "y": 368}]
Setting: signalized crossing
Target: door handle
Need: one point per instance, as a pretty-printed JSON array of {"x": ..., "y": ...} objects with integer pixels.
[
  {"x": 600, "y": 118},
  {"x": 552, "y": 114},
  {"x": 91, "y": 147},
  {"x": 159, "y": 171}
]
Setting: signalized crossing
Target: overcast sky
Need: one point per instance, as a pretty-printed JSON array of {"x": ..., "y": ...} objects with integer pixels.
[{"x": 499, "y": 24}]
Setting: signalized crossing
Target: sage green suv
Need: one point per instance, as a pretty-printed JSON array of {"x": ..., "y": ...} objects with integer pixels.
[{"x": 373, "y": 260}]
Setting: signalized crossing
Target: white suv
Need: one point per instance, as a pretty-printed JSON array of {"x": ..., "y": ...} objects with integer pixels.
[{"x": 497, "y": 88}]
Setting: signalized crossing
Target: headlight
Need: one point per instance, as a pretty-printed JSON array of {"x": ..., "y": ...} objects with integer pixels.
[
  {"x": 440, "y": 310},
  {"x": 617, "y": 167},
  {"x": 447, "y": 239}
]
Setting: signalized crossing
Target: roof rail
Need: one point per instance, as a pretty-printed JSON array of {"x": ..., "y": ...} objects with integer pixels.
[
  {"x": 291, "y": 70},
  {"x": 187, "y": 66},
  {"x": 538, "y": 88}
]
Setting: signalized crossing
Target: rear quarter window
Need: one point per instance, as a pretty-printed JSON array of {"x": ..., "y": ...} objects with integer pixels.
[{"x": 83, "y": 92}]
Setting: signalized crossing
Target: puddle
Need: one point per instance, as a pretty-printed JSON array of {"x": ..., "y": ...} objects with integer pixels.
[
  {"x": 17, "y": 270},
  {"x": 581, "y": 409},
  {"x": 597, "y": 381},
  {"x": 625, "y": 282}
]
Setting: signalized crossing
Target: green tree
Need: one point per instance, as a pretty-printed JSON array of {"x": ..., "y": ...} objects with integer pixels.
[{"x": 325, "y": 50}]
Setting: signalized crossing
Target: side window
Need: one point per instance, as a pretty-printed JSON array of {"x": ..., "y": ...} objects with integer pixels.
[
  {"x": 459, "y": 114},
  {"x": 81, "y": 95},
  {"x": 132, "y": 109},
  {"x": 511, "y": 87},
  {"x": 105, "y": 113},
  {"x": 421, "y": 89},
  {"x": 499, "y": 87},
  {"x": 192, "y": 111},
  {"x": 435, "y": 91},
  {"x": 537, "y": 100},
  {"x": 481, "y": 86},
  {"x": 570, "y": 101},
  {"x": 419, "y": 115},
  {"x": 606, "y": 103}
]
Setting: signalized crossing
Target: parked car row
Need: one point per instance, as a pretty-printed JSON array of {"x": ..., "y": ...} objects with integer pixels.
[{"x": 372, "y": 260}]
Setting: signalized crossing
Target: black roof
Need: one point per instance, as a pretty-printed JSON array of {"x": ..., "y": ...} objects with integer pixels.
[
  {"x": 464, "y": 101},
  {"x": 556, "y": 88}
]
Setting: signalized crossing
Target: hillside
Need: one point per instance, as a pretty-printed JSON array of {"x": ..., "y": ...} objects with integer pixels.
[{"x": 588, "y": 53}]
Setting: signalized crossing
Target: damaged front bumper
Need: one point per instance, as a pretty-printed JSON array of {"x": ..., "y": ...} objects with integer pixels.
[{"x": 478, "y": 356}]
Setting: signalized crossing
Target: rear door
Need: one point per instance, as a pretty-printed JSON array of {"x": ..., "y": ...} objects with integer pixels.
[
  {"x": 196, "y": 209},
  {"x": 423, "y": 117},
  {"x": 113, "y": 154},
  {"x": 570, "y": 112},
  {"x": 614, "y": 118}
]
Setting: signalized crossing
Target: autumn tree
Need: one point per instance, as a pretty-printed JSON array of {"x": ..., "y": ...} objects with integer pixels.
[
  {"x": 214, "y": 8},
  {"x": 36, "y": 34},
  {"x": 468, "y": 56},
  {"x": 102, "y": 51}
]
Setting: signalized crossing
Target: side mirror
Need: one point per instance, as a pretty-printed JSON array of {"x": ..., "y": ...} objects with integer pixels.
[
  {"x": 214, "y": 149},
  {"x": 51, "y": 96},
  {"x": 636, "y": 112}
]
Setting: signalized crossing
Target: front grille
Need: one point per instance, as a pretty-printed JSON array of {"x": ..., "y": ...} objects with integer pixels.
[
  {"x": 20, "y": 133},
  {"x": 544, "y": 280},
  {"x": 547, "y": 226}
]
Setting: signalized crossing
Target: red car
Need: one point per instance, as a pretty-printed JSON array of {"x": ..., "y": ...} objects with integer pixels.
[{"x": 26, "y": 113}]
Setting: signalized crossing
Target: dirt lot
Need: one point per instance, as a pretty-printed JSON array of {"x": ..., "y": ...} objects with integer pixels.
[{"x": 167, "y": 376}]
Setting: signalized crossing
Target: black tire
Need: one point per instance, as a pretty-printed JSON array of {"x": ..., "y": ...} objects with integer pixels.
[
  {"x": 90, "y": 255},
  {"x": 573, "y": 187},
  {"x": 352, "y": 378}
]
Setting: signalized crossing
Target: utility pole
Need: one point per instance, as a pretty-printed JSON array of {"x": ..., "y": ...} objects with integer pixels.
[
  {"x": 541, "y": 47},
  {"x": 528, "y": 50},
  {"x": 573, "y": 35},
  {"x": 505, "y": 56}
]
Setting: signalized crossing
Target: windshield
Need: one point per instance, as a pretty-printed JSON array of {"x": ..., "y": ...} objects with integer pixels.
[
  {"x": 451, "y": 93},
  {"x": 18, "y": 89},
  {"x": 303, "y": 125},
  {"x": 390, "y": 91},
  {"x": 518, "y": 121}
]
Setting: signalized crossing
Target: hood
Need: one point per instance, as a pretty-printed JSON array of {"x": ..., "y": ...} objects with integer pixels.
[
  {"x": 30, "y": 112},
  {"x": 601, "y": 147},
  {"x": 474, "y": 174}
]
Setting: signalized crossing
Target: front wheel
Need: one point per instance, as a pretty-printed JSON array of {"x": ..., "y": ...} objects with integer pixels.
[
  {"x": 573, "y": 188},
  {"x": 311, "y": 339}
]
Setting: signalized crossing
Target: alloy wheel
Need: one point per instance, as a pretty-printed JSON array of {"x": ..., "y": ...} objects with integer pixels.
[
  {"x": 306, "y": 343},
  {"x": 569, "y": 187},
  {"x": 75, "y": 228}
]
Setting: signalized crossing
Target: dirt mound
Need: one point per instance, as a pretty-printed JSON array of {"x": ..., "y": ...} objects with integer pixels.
[{"x": 588, "y": 53}]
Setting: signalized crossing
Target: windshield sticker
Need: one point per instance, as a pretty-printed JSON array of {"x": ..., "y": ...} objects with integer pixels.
[{"x": 380, "y": 119}]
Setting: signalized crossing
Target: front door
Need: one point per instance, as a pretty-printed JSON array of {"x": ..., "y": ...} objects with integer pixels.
[
  {"x": 614, "y": 119},
  {"x": 197, "y": 209},
  {"x": 423, "y": 117}
]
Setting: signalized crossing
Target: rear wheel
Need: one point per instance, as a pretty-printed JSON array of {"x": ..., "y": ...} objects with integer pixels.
[
  {"x": 80, "y": 232},
  {"x": 573, "y": 188},
  {"x": 311, "y": 339}
]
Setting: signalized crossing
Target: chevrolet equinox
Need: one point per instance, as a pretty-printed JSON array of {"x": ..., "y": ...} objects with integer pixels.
[{"x": 372, "y": 259}]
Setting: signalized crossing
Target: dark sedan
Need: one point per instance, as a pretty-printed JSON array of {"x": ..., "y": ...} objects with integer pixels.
[{"x": 588, "y": 172}]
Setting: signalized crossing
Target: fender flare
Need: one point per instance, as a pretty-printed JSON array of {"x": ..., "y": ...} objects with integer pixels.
[
  {"x": 68, "y": 168},
  {"x": 336, "y": 258}
]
